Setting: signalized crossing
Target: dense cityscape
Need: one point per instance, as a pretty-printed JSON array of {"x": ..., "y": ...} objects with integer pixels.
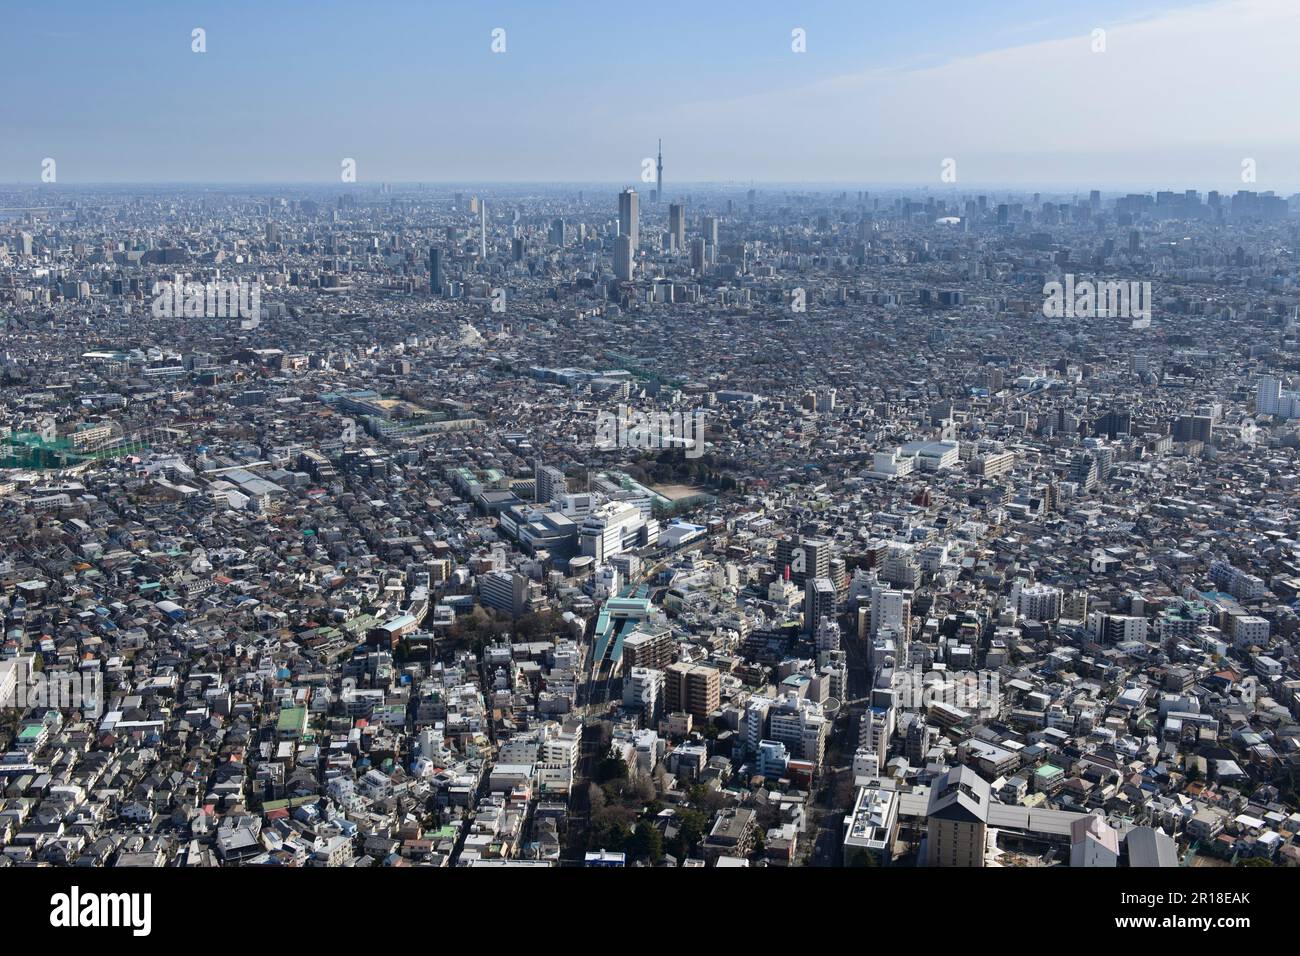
[{"x": 649, "y": 524}]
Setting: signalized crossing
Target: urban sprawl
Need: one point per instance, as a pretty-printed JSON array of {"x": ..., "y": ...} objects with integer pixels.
[{"x": 506, "y": 525}]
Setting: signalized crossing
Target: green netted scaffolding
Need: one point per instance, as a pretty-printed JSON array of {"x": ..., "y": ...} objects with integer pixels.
[
  {"x": 630, "y": 365},
  {"x": 30, "y": 450}
]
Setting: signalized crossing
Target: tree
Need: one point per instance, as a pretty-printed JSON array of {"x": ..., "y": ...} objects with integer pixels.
[
  {"x": 610, "y": 836},
  {"x": 707, "y": 799},
  {"x": 647, "y": 842},
  {"x": 610, "y": 769},
  {"x": 691, "y": 827}
]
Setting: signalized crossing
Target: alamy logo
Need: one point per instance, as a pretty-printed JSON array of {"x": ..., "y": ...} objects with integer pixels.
[
  {"x": 62, "y": 690},
  {"x": 1087, "y": 299},
  {"x": 628, "y": 428},
  {"x": 966, "y": 690},
  {"x": 222, "y": 299},
  {"x": 77, "y": 909}
]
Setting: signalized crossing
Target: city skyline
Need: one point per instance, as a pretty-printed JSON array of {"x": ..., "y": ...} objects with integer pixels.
[{"x": 688, "y": 436}]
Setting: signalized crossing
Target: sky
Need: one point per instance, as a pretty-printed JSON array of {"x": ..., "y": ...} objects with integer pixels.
[{"x": 1013, "y": 92}]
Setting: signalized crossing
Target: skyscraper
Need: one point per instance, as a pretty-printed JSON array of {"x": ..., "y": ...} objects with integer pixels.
[
  {"x": 697, "y": 255},
  {"x": 628, "y": 218},
  {"x": 676, "y": 227},
  {"x": 435, "y": 270},
  {"x": 710, "y": 229},
  {"x": 623, "y": 258},
  {"x": 482, "y": 229}
]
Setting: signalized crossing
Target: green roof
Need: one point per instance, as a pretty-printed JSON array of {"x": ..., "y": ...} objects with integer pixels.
[{"x": 292, "y": 719}]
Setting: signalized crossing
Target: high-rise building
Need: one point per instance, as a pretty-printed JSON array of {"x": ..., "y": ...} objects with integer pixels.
[
  {"x": 801, "y": 726},
  {"x": 676, "y": 227},
  {"x": 754, "y": 723},
  {"x": 819, "y": 602},
  {"x": 648, "y": 646},
  {"x": 805, "y": 557},
  {"x": 1272, "y": 399},
  {"x": 828, "y": 635},
  {"x": 1083, "y": 469},
  {"x": 890, "y": 610},
  {"x": 901, "y": 566},
  {"x": 435, "y": 270},
  {"x": 550, "y": 483},
  {"x": 623, "y": 258},
  {"x": 628, "y": 218},
  {"x": 710, "y": 229},
  {"x": 509, "y": 591},
  {"x": 1037, "y": 602},
  {"x": 557, "y": 232},
  {"x": 643, "y": 691},
  {"x": 695, "y": 689},
  {"x": 1116, "y": 422},
  {"x": 697, "y": 256}
]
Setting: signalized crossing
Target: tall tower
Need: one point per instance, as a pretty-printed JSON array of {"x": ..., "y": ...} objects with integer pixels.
[
  {"x": 482, "y": 230},
  {"x": 627, "y": 217},
  {"x": 676, "y": 226},
  {"x": 659, "y": 174},
  {"x": 624, "y": 258},
  {"x": 435, "y": 270}
]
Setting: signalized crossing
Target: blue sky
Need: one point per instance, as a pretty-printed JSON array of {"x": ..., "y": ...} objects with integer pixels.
[{"x": 885, "y": 91}]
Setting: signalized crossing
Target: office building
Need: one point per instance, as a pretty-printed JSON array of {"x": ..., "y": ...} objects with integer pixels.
[
  {"x": 628, "y": 219},
  {"x": 435, "y": 270},
  {"x": 676, "y": 227},
  {"x": 624, "y": 258}
]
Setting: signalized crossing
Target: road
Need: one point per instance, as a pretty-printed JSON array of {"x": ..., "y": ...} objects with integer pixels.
[{"x": 579, "y": 805}]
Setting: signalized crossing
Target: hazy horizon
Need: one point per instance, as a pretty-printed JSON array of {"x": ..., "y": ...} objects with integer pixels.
[
  {"x": 1013, "y": 94},
  {"x": 1045, "y": 188}
]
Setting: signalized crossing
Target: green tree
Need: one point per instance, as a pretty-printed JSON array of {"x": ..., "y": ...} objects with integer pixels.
[
  {"x": 691, "y": 827},
  {"x": 612, "y": 768},
  {"x": 612, "y": 836},
  {"x": 647, "y": 842}
]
